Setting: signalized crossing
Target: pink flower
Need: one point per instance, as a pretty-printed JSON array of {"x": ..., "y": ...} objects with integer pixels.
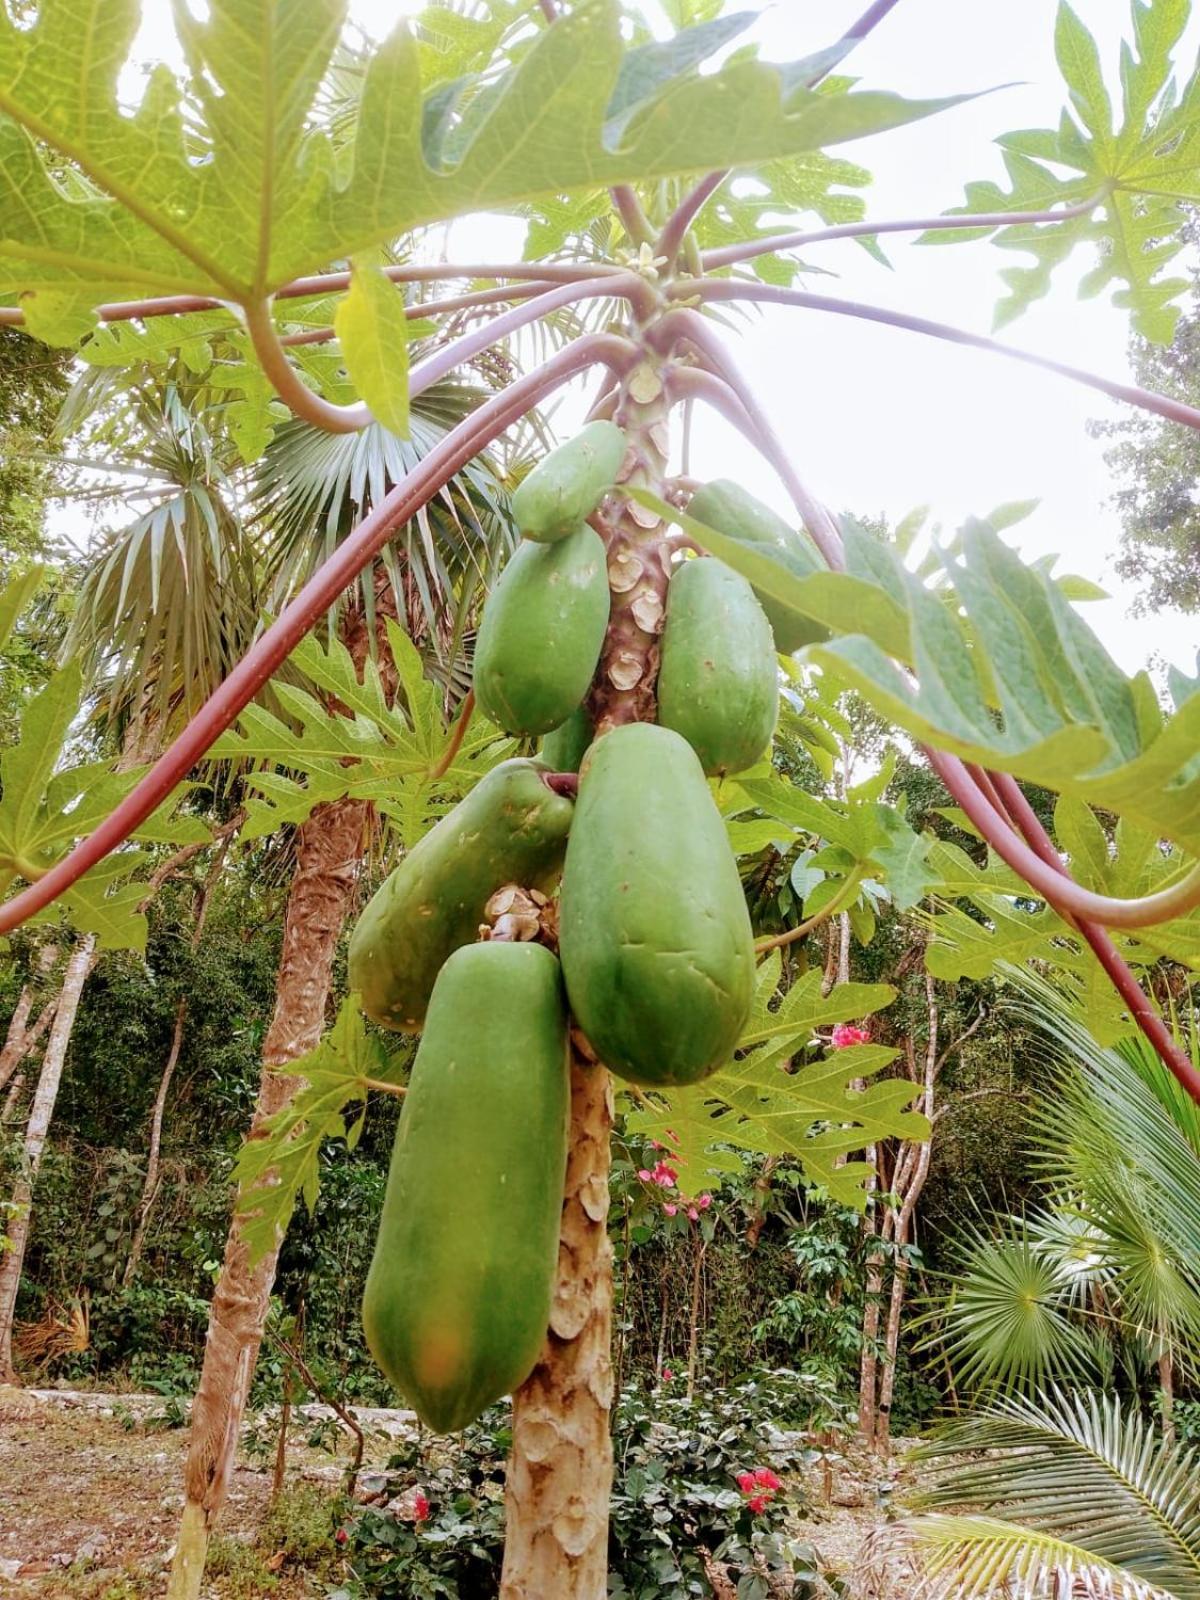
[
  {"x": 420, "y": 1506},
  {"x": 667, "y": 1374},
  {"x": 670, "y": 1209},
  {"x": 645, "y": 1175},
  {"x": 704, "y": 1201},
  {"x": 693, "y": 1214},
  {"x": 665, "y": 1176},
  {"x": 847, "y": 1034}
]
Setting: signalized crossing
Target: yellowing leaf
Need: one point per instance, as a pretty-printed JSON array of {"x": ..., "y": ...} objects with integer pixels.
[{"x": 373, "y": 330}]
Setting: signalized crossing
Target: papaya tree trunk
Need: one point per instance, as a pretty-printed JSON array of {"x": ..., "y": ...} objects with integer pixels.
[
  {"x": 12, "y": 1257},
  {"x": 328, "y": 853},
  {"x": 560, "y": 1470}
]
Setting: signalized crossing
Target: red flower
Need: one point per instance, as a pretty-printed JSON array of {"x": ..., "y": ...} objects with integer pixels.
[
  {"x": 759, "y": 1488},
  {"x": 664, "y": 1175},
  {"x": 341, "y": 1536},
  {"x": 745, "y": 1482},
  {"x": 420, "y": 1506},
  {"x": 846, "y": 1034},
  {"x": 758, "y": 1503},
  {"x": 766, "y": 1479},
  {"x": 667, "y": 1374}
]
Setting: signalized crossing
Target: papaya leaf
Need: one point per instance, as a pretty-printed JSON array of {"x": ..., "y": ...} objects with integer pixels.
[
  {"x": 14, "y": 597},
  {"x": 47, "y": 803},
  {"x": 366, "y": 750},
  {"x": 1143, "y": 172},
  {"x": 813, "y": 1113},
  {"x": 1009, "y": 676},
  {"x": 228, "y": 184},
  {"x": 280, "y": 1163},
  {"x": 373, "y": 330}
]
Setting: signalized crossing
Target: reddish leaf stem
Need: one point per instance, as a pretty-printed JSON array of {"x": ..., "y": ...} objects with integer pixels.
[
  {"x": 452, "y": 453},
  {"x": 1145, "y": 1014},
  {"x": 1146, "y": 399},
  {"x": 728, "y": 255},
  {"x": 691, "y": 326}
]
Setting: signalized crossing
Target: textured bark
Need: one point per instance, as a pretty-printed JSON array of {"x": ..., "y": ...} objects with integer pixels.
[
  {"x": 1166, "y": 1383},
  {"x": 560, "y": 1470},
  {"x": 12, "y": 1258},
  {"x": 329, "y": 851},
  {"x": 22, "y": 1036}
]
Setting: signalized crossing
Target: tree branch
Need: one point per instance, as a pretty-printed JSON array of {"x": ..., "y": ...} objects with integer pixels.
[
  {"x": 1147, "y": 400},
  {"x": 450, "y": 454}
]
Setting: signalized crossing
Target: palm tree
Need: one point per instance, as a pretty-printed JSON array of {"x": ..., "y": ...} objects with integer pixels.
[
  {"x": 1059, "y": 1495},
  {"x": 1109, "y": 1269}
]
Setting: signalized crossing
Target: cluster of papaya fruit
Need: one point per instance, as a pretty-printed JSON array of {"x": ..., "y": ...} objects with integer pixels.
[{"x": 655, "y": 956}]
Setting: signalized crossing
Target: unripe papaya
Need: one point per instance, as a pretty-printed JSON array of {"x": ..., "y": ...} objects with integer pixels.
[
  {"x": 511, "y": 828},
  {"x": 727, "y": 507},
  {"x": 718, "y": 684},
  {"x": 654, "y": 935},
  {"x": 542, "y": 629},
  {"x": 458, "y": 1297},
  {"x": 564, "y": 748},
  {"x": 568, "y": 484}
]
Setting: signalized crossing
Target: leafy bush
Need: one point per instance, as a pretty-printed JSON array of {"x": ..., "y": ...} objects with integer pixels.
[{"x": 679, "y": 1513}]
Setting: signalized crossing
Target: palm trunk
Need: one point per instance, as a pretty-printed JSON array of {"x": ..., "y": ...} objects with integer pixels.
[
  {"x": 1166, "y": 1380},
  {"x": 329, "y": 850},
  {"x": 12, "y": 1258},
  {"x": 560, "y": 1470}
]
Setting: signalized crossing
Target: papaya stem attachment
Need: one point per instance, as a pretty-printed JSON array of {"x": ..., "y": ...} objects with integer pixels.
[
  {"x": 839, "y": 903},
  {"x": 381, "y": 1087},
  {"x": 564, "y": 783},
  {"x": 442, "y": 766}
]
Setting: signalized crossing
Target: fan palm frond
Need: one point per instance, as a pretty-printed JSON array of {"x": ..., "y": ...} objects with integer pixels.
[
  {"x": 1008, "y": 1322},
  {"x": 1075, "y": 1469},
  {"x": 311, "y": 488}
]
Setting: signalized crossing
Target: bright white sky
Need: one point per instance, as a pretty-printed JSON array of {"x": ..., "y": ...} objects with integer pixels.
[{"x": 881, "y": 421}]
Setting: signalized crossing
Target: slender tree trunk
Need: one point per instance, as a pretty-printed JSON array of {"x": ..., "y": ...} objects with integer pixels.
[
  {"x": 13, "y": 1257},
  {"x": 11, "y": 1098},
  {"x": 869, "y": 1360},
  {"x": 1166, "y": 1381},
  {"x": 329, "y": 850},
  {"x": 200, "y": 901},
  {"x": 560, "y": 1470},
  {"x": 694, "y": 1323},
  {"x": 150, "y": 1184},
  {"x": 21, "y": 1037}
]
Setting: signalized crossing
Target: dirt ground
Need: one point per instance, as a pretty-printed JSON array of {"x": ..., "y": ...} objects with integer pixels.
[{"x": 90, "y": 1497}]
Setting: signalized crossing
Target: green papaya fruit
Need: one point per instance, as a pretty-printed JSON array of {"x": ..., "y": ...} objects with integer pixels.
[
  {"x": 727, "y": 507},
  {"x": 511, "y": 828},
  {"x": 458, "y": 1296},
  {"x": 718, "y": 684},
  {"x": 565, "y": 747},
  {"x": 541, "y": 633},
  {"x": 654, "y": 935},
  {"x": 568, "y": 484}
]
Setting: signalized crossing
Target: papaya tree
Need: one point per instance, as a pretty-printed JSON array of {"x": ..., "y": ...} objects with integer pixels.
[{"x": 579, "y": 913}]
